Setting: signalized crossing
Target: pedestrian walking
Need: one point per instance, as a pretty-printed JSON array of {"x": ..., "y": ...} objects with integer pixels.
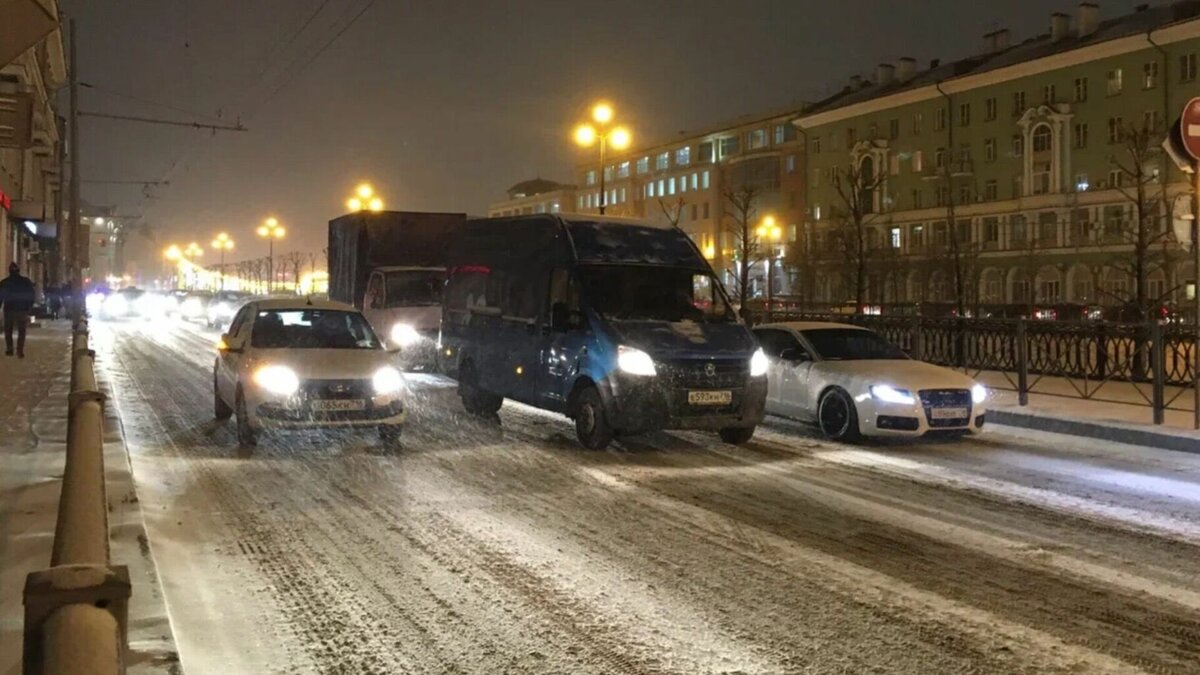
[
  {"x": 16, "y": 297},
  {"x": 54, "y": 300}
]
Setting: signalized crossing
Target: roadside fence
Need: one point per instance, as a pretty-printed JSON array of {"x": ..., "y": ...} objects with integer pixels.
[{"x": 76, "y": 611}]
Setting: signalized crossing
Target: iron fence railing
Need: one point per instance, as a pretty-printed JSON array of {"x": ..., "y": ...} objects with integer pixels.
[{"x": 1158, "y": 360}]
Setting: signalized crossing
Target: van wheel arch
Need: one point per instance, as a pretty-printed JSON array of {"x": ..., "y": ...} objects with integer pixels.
[{"x": 581, "y": 384}]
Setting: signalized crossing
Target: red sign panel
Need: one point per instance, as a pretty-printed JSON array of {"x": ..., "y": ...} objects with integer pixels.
[
  {"x": 5, "y": 201},
  {"x": 1189, "y": 128}
]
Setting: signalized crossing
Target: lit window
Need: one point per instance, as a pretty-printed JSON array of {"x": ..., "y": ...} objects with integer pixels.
[
  {"x": 695, "y": 181},
  {"x": 895, "y": 237},
  {"x": 671, "y": 186},
  {"x": 623, "y": 169},
  {"x": 650, "y": 189},
  {"x": 662, "y": 161},
  {"x": 1150, "y": 75},
  {"x": 790, "y": 163},
  {"x": 918, "y": 161},
  {"x": 1115, "y": 81},
  {"x": 643, "y": 165},
  {"x": 662, "y": 187},
  {"x": 816, "y": 211},
  {"x": 1041, "y": 139},
  {"x": 591, "y": 177},
  {"x": 704, "y": 179},
  {"x": 683, "y": 156}
]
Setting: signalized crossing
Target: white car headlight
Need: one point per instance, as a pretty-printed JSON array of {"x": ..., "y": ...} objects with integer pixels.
[
  {"x": 387, "y": 380},
  {"x": 405, "y": 335},
  {"x": 978, "y": 393},
  {"x": 279, "y": 380},
  {"x": 889, "y": 394},
  {"x": 116, "y": 304},
  {"x": 635, "y": 361},
  {"x": 758, "y": 363}
]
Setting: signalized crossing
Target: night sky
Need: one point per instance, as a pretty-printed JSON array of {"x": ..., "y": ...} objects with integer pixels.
[{"x": 445, "y": 104}]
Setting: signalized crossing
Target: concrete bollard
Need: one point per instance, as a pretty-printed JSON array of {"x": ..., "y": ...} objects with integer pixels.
[{"x": 81, "y": 640}]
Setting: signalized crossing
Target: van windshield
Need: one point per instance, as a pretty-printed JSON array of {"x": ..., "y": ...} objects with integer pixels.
[
  {"x": 414, "y": 288},
  {"x": 653, "y": 293}
]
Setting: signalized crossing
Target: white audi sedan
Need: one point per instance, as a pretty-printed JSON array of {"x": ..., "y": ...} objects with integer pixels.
[
  {"x": 852, "y": 382},
  {"x": 302, "y": 364}
]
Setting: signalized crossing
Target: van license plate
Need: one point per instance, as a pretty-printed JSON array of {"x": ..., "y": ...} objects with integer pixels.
[
  {"x": 710, "y": 397},
  {"x": 948, "y": 413},
  {"x": 337, "y": 405}
]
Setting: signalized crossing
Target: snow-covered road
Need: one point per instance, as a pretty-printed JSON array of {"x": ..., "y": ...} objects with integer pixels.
[{"x": 506, "y": 548}]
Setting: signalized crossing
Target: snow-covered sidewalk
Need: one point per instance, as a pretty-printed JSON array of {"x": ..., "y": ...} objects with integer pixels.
[
  {"x": 1117, "y": 411},
  {"x": 33, "y": 423}
]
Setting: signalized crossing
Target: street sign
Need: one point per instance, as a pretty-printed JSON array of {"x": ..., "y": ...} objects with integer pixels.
[{"x": 1189, "y": 124}]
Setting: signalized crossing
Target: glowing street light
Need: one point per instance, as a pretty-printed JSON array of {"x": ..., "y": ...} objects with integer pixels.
[
  {"x": 222, "y": 242},
  {"x": 365, "y": 199},
  {"x": 587, "y": 134},
  {"x": 768, "y": 230},
  {"x": 271, "y": 230}
]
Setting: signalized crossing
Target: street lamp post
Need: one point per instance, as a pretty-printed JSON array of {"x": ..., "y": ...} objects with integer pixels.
[
  {"x": 769, "y": 231},
  {"x": 365, "y": 199},
  {"x": 222, "y": 243},
  {"x": 193, "y": 250},
  {"x": 605, "y": 134},
  {"x": 271, "y": 230}
]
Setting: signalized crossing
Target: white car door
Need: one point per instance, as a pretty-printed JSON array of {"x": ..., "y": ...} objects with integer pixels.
[
  {"x": 772, "y": 340},
  {"x": 229, "y": 360},
  {"x": 796, "y": 362}
]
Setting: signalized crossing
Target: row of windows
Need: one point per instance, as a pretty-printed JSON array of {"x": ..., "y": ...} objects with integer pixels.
[
  {"x": 670, "y": 186},
  {"x": 1115, "y": 84}
]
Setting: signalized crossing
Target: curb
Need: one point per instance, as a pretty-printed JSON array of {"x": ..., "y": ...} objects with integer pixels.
[{"x": 1099, "y": 431}]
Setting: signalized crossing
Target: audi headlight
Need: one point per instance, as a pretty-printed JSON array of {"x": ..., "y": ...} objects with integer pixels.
[
  {"x": 635, "y": 361},
  {"x": 279, "y": 380},
  {"x": 387, "y": 380},
  {"x": 978, "y": 393},
  {"x": 758, "y": 363},
  {"x": 889, "y": 394},
  {"x": 405, "y": 335}
]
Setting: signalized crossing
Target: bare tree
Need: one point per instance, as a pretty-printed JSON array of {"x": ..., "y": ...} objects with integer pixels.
[
  {"x": 741, "y": 205},
  {"x": 672, "y": 211},
  {"x": 312, "y": 262},
  {"x": 852, "y": 215},
  {"x": 957, "y": 248},
  {"x": 295, "y": 260},
  {"x": 1145, "y": 234}
]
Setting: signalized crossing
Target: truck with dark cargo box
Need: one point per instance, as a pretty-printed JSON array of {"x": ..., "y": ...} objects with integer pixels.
[{"x": 392, "y": 266}]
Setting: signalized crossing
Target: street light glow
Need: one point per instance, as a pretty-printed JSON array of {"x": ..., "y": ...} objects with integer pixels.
[
  {"x": 354, "y": 204},
  {"x": 620, "y": 138},
  {"x": 364, "y": 191},
  {"x": 602, "y": 112},
  {"x": 585, "y": 135},
  {"x": 263, "y": 231},
  {"x": 376, "y": 204},
  {"x": 172, "y": 253},
  {"x": 272, "y": 222}
]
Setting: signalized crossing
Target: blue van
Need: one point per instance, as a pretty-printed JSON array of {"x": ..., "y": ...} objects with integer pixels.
[{"x": 620, "y": 325}]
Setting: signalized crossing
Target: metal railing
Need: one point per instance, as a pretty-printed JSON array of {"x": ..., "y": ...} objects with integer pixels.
[
  {"x": 76, "y": 611},
  {"x": 1155, "y": 362}
]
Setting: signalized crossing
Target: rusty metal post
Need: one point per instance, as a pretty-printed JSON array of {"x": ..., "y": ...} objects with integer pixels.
[
  {"x": 1158, "y": 372},
  {"x": 1022, "y": 364}
]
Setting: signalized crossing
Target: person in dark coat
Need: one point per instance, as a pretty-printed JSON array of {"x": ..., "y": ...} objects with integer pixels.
[{"x": 17, "y": 296}]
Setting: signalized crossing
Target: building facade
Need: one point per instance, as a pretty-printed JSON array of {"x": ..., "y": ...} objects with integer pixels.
[
  {"x": 32, "y": 67},
  {"x": 686, "y": 182},
  {"x": 535, "y": 196},
  {"x": 1028, "y": 173}
]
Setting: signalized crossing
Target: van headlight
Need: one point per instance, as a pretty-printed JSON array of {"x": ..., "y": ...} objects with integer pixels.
[
  {"x": 635, "y": 361},
  {"x": 890, "y": 394},
  {"x": 387, "y": 380},
  {"x": 405, "y": 335},
  {"x": 978, "y": 393},
  {"x": 758, "y": 363},
  {"x": 279, "y": 380}
]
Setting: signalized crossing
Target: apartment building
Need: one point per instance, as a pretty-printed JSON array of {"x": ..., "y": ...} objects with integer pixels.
[
  {"x": 1011, "y": 169},
  {"x": 535, "y": 196}
]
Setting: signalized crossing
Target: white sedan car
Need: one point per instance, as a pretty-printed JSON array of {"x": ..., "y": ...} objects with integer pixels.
[
  {"x": 297, "y": 364},
  {"x": 852, "y": 382}
]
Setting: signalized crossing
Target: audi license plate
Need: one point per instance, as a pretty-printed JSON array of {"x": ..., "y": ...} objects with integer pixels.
[
  {"x": 338, "y": 405},
  {"x": 710, "y": 397},
  {"x": 947, "y": 413}
]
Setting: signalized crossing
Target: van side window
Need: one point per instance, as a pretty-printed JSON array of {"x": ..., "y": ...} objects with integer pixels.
[{"x": 564, "y": 289}]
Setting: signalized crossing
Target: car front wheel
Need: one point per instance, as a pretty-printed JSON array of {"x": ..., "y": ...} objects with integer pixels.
[
  {"x": 246, "y": 434},
  {"x": 837, "y": 416},
  {"x": 221, "y": 409}
]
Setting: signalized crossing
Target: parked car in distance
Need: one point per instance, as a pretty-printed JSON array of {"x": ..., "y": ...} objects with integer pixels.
[
  {"x": 306, "y": 364},
  {"x": 194, "y": 306},
  {"x": 852, "y": 382},
  {"x": 222, "y": 307}
]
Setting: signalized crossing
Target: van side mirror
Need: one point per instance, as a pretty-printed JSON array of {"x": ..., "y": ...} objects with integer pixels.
[{"x": 795, "y": 355}]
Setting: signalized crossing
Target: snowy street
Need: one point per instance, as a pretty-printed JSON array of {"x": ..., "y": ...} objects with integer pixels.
[{"x": 507, "y": 548}]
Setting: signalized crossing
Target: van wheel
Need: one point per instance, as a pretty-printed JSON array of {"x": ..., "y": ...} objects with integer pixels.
[
  {"x": 221, "y": 409},
  {"x": 246, "y": 435},
  {"x": 476, "y": 400},
  {"x": 837, "y": 416},
  {"x": 591, "y": 424},
  {"x": 736, "y": 435}
]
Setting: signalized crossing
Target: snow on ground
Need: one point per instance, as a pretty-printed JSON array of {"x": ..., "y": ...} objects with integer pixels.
[
  {"x": 33, "y": 413},
  {"x": 490, "y": 547}
]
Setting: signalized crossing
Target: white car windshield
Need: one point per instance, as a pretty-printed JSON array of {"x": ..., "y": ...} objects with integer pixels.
[
  {"x": 312, "y": 329},
  {"x": 851, "y": 344}
]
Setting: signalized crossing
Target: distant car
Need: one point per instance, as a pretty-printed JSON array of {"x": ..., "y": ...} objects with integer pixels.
[
  {"x": 194, "y": 306},
  {"x": 852, "y": 382},
  {"x": 297, "y": 364},
  {"x": 127, "y": 303},
  {"x": 222, "y": 307}
]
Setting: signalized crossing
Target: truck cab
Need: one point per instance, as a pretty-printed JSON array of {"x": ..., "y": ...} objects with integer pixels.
[{"x": 404, "y": 305}]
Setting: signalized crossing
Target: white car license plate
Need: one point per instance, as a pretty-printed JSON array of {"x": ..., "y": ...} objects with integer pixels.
[
  {"x": 338, "y": 405},
  {"x": 947, "y": 413},
  {"x": 710, "y": 397}
]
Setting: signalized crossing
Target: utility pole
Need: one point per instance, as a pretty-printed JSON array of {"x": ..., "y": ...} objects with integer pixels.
[{"x": 78, "y": 242}]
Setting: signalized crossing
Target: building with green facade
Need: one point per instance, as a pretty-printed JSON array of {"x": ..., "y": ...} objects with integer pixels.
[{"x": 1009, "y": 176}]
